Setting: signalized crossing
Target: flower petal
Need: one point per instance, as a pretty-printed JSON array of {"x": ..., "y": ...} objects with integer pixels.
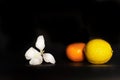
[
  {"x": 49, "y": 58},
  {"x": 30, "y": 53},
  {"x": 40, "y": 43},
  {"x": 36, "y": 61}
]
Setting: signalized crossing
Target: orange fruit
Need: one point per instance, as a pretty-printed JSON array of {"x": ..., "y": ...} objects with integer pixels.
[{"x": 75, "y": 51}]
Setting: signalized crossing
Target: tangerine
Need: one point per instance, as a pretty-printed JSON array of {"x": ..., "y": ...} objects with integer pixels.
[{"x": 75, "y": 51}]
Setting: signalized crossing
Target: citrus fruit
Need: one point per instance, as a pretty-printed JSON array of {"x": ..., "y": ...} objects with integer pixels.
[
  {"x": 98, "y": 51},
  {"x": 74, "y": 51}
]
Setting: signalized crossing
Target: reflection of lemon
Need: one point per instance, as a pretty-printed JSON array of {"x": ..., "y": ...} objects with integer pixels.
[{"x": 98, "y": 51}]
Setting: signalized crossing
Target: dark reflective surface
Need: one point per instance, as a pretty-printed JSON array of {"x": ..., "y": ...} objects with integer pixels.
[{"x": 69, "y": 71}]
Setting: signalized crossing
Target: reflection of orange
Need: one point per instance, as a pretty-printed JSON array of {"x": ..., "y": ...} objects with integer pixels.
[{"x": 74, "y": 52}]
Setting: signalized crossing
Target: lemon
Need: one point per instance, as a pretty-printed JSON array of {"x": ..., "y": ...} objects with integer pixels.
[{"x": 98, "y": 51}]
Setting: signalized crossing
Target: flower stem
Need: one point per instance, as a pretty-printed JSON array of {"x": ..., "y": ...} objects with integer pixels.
[{"x": 42, "y": 51}]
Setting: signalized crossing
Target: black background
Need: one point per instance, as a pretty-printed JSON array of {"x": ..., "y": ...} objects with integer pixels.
[{"x": 61, "y": 23}]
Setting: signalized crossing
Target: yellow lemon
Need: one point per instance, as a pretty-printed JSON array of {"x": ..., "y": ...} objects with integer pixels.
[{"x": 98, "y": 51}]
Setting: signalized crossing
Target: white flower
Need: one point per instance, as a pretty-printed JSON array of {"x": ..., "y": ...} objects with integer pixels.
[{"x": 36, "y": 57}]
